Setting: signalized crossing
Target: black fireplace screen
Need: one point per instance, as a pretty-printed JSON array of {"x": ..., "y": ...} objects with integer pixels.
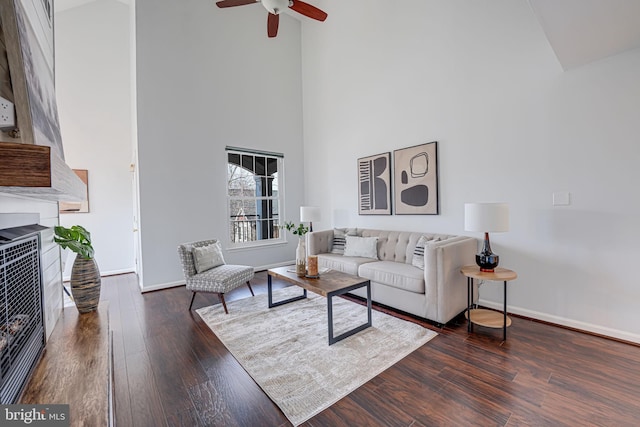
[{"x": 21, "y": 324}]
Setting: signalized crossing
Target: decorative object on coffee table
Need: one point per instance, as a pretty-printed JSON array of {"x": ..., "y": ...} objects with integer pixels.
[
  {"x": 301, "y": 251},
  {"x": 486, "y": 217},
  {"x": 312, "y": 266},
  {"x": 85, "y": 275}
]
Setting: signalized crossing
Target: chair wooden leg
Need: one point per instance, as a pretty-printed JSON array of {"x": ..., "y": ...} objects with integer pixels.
[
  {"x": 221, "y": 296},
  {"x": 251, "y": 290},
  {"x": 192, "y": 298}
]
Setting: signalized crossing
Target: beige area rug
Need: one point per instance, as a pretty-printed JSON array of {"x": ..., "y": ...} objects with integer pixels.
[{"x": 285, "y": 349}]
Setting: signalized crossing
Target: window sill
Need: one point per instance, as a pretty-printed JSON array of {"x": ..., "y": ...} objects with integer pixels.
[{"x": 254, "y": 245}]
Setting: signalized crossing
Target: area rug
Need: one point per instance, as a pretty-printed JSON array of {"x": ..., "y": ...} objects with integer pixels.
[{"x": 285, "y": 349}]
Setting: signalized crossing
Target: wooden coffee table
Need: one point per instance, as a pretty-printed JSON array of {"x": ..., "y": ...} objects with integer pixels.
[{"x": 329, "y": 285}]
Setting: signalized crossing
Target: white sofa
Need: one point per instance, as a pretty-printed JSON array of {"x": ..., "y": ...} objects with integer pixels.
[{"x": 437, "y": 293}]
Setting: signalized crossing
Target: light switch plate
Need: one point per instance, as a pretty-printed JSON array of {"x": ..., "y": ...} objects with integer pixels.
[{"x": 561, "y": 198}]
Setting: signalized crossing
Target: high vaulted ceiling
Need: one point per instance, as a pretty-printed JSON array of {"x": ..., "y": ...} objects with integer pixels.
[
  {"x": 579, "y": 31},
  {"x": 582, "y": 31}
]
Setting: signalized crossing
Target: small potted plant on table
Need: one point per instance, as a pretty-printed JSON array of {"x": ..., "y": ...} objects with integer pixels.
[{"x": 301, "y": 250}]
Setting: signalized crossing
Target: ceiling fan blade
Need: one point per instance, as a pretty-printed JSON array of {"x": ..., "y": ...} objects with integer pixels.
[
  {"x": 232, "y": 3},
  {"x": 307, "y": 10},
  {"x": 272, "y": 24}
]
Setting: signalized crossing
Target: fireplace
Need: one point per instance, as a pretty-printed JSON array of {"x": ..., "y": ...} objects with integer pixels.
[{"x": 22, "y": 335}]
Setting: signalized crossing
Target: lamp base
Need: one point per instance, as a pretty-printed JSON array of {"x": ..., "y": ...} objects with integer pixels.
[{"x": 487, "y": 261}]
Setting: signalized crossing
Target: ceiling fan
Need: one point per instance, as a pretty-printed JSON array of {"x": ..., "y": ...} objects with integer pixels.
[{"x": 274, "y": 7}]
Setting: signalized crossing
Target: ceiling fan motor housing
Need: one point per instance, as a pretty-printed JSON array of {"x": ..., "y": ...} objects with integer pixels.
[{"x": 276, "y": 6}]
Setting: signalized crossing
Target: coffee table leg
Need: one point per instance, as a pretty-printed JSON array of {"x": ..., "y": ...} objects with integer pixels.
[
  {"x": 332, "y": 339},
  {"x": 330, "y": 319},
  {"x": 286, "y": 301},
  {"x": 369, "y": 303}
]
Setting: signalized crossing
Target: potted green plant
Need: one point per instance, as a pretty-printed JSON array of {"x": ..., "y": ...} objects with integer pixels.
[
  {"x": 301, "y": 251},
  {"x": 85, "y": 275}
]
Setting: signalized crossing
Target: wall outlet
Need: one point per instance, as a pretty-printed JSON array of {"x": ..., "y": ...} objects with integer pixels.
[
  {"x": 561, "y": 198},
  {"x": 7, "y": 114}
]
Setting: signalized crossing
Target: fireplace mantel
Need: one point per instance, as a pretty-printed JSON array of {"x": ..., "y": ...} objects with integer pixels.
[{"x": 37, "y": 171}]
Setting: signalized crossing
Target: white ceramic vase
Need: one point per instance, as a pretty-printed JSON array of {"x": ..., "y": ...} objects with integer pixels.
[{"x": 301, "y": 257}]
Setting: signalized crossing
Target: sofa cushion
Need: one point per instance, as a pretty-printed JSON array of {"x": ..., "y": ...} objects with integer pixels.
[
  {"x": 342, "y": 263},
  {"x": 397, "y": 246},
  {"x": 366, "y": 247},
  {"x": 418, "y": 252},
  {"x": 339, "y": 239},
  {"x": 395, "y": 274}
]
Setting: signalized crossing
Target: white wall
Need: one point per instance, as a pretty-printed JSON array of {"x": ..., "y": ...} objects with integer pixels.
[
  {"x": 94, "y": 103},
  {"x": 208, "y": 78},
  {"x": 481, "y": 79}
]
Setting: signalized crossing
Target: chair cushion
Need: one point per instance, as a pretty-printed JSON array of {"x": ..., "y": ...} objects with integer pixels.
[
  {"x": 221, "y": 279},
  {"x": 207, "y": 257},
  {"x": 395, "y": 274}
]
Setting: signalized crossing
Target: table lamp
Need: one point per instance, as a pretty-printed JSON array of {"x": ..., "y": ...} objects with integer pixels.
[
  {"x": 485, "y": 218},
  {"x": 309, "y": 214}
]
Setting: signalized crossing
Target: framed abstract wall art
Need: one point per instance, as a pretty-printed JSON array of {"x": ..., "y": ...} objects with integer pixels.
[
  {"x": 82, "y": 206},
  {"x": 374, "y": 185},
  {"x": 415, "y": 175}
]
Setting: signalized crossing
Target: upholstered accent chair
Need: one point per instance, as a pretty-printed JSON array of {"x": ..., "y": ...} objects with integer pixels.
[{"x": 205, "y": 270}]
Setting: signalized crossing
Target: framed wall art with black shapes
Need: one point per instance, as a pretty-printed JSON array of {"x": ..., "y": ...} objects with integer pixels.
[
  {"x": 374, "y": 185},
  {"x": 415, "y": 176}
]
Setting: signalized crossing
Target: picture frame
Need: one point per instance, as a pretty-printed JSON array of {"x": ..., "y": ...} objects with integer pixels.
[
  {"x": 82, "y": 206},
  {"x": 415, "y": 175},
  {"x": 28, "y": 31},
  {"x": 374, "y": 184}
]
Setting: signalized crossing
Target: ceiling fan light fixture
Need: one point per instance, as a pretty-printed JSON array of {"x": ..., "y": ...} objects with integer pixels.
[{"x": 276, "y": 6}]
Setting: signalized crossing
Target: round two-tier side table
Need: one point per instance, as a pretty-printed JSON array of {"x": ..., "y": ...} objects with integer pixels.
[{"x": 480, "y": 316}]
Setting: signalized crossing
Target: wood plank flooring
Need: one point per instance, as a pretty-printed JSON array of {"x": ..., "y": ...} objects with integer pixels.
[{"x": 171, "y": 370}]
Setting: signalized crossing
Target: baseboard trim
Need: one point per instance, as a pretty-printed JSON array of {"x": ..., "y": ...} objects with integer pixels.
[
  {"x": 167, "y": 285},
  {"x": 565, "y": 322},
  {"x": 161, "y": 286}
]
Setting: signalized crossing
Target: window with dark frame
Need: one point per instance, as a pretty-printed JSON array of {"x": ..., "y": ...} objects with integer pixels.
[{"x": 254, "y": 198}]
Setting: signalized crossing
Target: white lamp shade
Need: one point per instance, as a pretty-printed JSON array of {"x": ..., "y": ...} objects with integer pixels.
[
  {"x": 309, "y": 213},
  {"x": 485, "y": 217}
]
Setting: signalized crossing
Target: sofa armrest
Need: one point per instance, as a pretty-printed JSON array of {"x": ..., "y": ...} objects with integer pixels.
[
  {"x": 445, "y": 286},
  {"x": 319, "y": 242}
]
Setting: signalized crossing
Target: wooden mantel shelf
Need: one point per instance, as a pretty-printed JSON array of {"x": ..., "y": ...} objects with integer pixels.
[{"x": 36, "y": 171}]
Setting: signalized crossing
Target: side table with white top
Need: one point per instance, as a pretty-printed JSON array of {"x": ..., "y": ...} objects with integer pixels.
[{"x": 483, "y": 317}]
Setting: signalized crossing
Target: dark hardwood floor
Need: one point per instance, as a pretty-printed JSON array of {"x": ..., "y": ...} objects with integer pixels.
[{"x": 171, "y": 370}]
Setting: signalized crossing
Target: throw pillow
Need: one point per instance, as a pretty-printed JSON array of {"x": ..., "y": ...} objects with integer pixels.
[
  {"x": 418, "y": 252},
  {"x": 366, "y": 247},
  {"x": 207, "y": 257},
  {"x": 339, "y": 241}
]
